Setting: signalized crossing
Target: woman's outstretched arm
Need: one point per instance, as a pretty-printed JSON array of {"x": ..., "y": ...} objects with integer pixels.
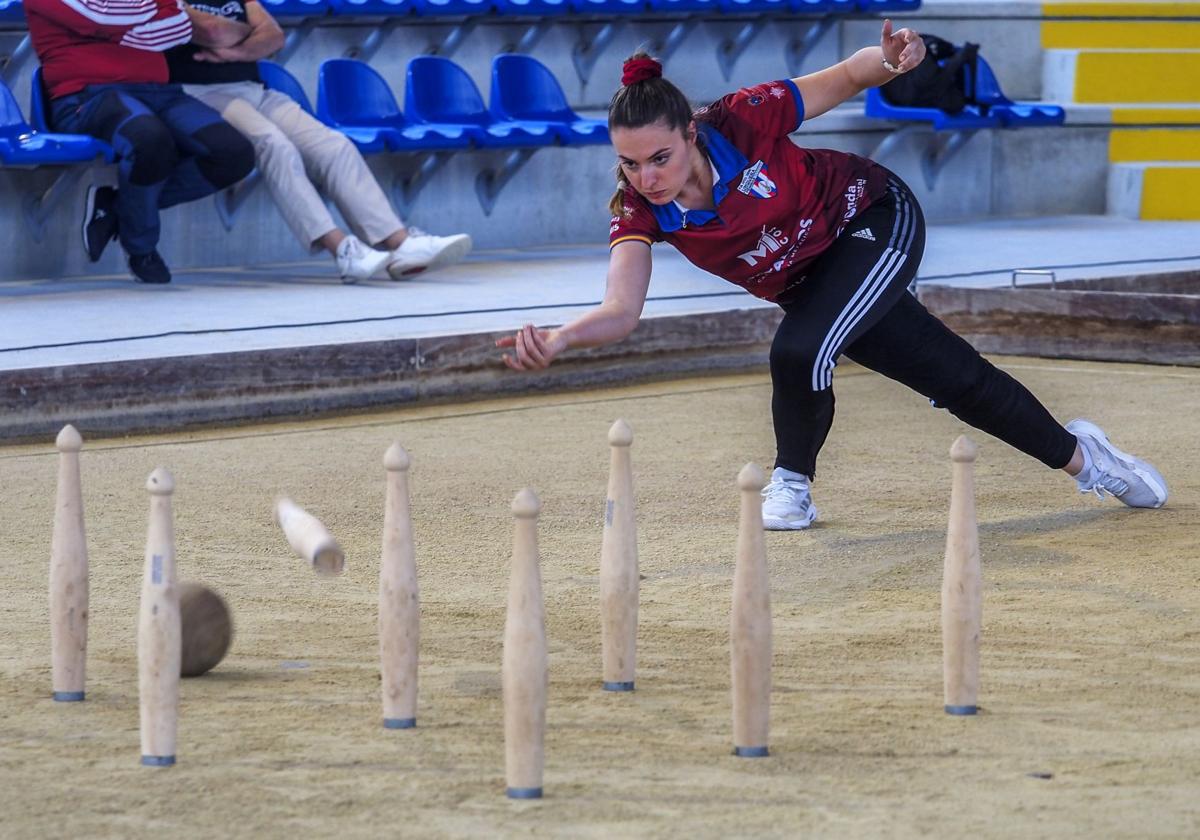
[
  {"x": 828, "y": 88},
  {"x": 628, "y": 281}
]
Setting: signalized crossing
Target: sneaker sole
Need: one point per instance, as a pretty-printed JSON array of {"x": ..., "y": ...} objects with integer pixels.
[
  {"x": 1154, "y": 481},
  {"x": 450, "y": 254},
  {"x": 770, "y": 523},
  {"x": 351, "y": 279}
]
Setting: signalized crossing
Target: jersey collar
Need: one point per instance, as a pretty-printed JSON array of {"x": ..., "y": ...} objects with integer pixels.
[{"x": 727, "y": 162}]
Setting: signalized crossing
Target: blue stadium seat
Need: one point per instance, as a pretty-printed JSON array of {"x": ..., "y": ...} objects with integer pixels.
[
  {"x": 684, "y": 5},
  {"x": 735, "y": 7},
  {"x": 38, "y": 103},
  {"x": 608, "y": 7},
  {"x": 888, "y": 6},
  {"x": 970, "y": 117},
  {"x": 371, "y": 8},
  {"x": 355, "y": 99},
  {"x": 452, "y": 7},
  {"x": 440, "y": 92},
  {"x": 11, "y": 12},
  {"x": 823, "y": 7},
  {"x": 1011, "y": 114},
  {"x": 532, "y": 7},
  {"x": 275, "y": 77},
  {"x": 22, "y": 145},
  {"x": 38, "y": 114},
  {"x": 995, "y": 110},
  {"x": 524, "y": 90},
  {"x": 296, "y": 8}
]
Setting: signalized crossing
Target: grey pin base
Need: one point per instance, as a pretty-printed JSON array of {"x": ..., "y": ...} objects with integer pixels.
[
  {"x": 618, "y": 686},
  {"x": 751, "y": 752},
  {"x": 399, "y": 723},
  {"x": 961, "y": 710},
  {"x": 524, "y": 793},
  {"x": 158, "y": 760},
  {"x": 68, "y": 696}
]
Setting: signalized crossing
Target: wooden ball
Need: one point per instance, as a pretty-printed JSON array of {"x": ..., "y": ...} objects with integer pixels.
[{"x": 206, "y": 628}]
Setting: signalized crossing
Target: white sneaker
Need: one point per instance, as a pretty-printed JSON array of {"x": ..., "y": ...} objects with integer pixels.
[
  {"x": 421, "y": 251},
  {"x": 1130, "y": 479},
  {"x": 787, "y": 505},
  {"x": 355, "y": 261}
]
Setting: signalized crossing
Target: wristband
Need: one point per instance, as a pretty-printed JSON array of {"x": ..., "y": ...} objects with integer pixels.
[{"x": 891, "y": 68}]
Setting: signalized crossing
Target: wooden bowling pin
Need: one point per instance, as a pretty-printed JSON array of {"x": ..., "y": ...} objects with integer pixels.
[
  {"x": 962, "y": 584},
  {"x": 619, "y": 567},
  {"x": 159, "y": 636},
  {"x": 68, "y": 575},
  {"x": 525, "y": 672},
  {"x": 750, "y": 624},
  {"x": 399, "y": 603},
  {"x": 309, "y": 538}
]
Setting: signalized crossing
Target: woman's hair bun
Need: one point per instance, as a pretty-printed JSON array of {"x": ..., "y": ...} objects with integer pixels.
[{"x": 639, "y": 68}]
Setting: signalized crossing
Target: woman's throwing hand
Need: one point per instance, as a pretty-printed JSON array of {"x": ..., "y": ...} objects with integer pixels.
[
  {"x": 534, "y": 349},
  {"x": 902, "y": 49}
]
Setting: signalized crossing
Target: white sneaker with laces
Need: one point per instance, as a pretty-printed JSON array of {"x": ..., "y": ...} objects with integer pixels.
[
  {"x": 355, "y": 261},
  {"x": 421, "y": 251},
  {"x": 787, "y": 504},
  {"x": 1109, "y": 470}
]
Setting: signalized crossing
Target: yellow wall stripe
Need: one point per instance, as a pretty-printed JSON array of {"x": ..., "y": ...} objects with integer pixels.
[
  {"x": 1122, "y": 9},
  {"x": 1138, "y": 76},
  {"x": 1111, "y": 34},
  {"x": 1171, "y": 192},
  {"x": 1135, "y": 144},
  {"x": 1156, "y": 116}
]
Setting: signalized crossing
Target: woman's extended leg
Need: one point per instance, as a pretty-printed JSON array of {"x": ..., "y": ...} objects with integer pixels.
[
  {"x": 853, "y": 284},
  {"x": 911, "y": 346}
]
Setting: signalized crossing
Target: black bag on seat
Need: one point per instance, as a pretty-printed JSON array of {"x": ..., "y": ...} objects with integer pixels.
[{"x": 939, "y": 81}]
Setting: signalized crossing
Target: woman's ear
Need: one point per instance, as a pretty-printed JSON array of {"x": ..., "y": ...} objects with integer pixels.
[{"x": 691, "y": 132}]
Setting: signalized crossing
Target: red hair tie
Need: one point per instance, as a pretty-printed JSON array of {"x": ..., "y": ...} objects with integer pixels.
[{"x": 639, "y": 69}]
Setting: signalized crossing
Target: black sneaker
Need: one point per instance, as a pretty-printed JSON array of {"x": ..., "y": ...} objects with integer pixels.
[
  {"x": 149, "y": 268},
  {"x": 99, "y": 220}
]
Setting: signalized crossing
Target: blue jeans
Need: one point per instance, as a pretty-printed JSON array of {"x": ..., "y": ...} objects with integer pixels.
[{"x": 170, "y": 149}]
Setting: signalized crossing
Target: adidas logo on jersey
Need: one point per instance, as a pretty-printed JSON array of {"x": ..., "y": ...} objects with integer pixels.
[{"x": 865, "y": 233}]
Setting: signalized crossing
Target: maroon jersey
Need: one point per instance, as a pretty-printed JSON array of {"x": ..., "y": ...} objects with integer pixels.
[
  {"x": 778, "y": 206},
  {"x": 95, "y": 42}
]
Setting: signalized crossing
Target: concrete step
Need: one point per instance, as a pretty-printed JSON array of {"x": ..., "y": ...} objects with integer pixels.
[
  {"x": 1154, "y": 190},
  {"x": 1126, "y": 76},
  {"x": 1150, "y": 144}
]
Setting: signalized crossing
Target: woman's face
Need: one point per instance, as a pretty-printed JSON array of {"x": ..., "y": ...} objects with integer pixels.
[{"x": 655, "y": 159}]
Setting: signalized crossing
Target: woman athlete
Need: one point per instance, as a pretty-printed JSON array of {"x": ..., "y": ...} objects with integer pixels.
[{"x": 832, "y": 238}]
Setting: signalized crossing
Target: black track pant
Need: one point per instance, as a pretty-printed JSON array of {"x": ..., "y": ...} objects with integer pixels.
[{"x": 855, "y": 301}]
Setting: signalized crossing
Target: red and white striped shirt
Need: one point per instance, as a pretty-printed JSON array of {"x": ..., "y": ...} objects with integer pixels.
[{"x": 96, "y": 42}]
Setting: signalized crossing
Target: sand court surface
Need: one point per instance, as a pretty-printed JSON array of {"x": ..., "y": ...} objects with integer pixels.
[{"x": 1090, "y": 653}]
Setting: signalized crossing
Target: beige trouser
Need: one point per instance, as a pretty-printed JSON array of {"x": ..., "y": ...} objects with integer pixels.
[{"x": 299, "y": 156}]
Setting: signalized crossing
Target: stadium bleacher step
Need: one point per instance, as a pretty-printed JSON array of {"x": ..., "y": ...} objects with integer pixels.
[
  {"x": 1155, "y": 190},
  {"x": 1176, "y": 143},
  {"x": 1186, "y": 114},
  {"x": 1130, "y": 76},
  {"x": 1142, "y": 60},
  {"x": 1122, "y": 26},
  {"x": 1119, "y": 35}
]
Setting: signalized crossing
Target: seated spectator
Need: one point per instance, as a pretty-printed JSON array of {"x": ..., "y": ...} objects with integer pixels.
[
  {"x": 299, "y": 155},
  {"x": 104, "y": 70}
]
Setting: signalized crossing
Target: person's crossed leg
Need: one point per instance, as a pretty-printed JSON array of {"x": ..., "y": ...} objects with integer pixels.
[{"x": 170, "y": 149}]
